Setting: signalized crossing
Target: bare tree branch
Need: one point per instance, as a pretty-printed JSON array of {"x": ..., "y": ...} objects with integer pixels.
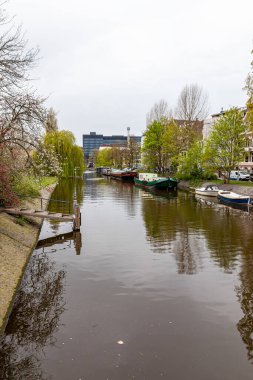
[
  {"x": 159, "y": 112},
  {"x": 192, "y": 104}
]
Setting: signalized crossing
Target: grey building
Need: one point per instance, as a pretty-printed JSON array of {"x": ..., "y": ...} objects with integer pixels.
[{"x": 93, "y": 141}]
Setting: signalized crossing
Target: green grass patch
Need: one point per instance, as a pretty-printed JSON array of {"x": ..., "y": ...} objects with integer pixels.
[
  {"x": 26, "y": 185},
  {"x": 21, "y": 220},
  {"x": 47, "y": 181}
]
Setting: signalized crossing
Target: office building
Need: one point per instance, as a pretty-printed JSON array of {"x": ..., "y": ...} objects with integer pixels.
[{"x": 94, "y": 141}]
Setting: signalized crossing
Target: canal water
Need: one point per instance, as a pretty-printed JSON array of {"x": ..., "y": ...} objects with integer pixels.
[{"x": 155, "y": 286}]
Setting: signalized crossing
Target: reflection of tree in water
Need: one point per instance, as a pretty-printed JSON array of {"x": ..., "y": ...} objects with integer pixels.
[
  {"x": 185, "y": 255},
  {"x": 34, "y": 318},
  {"x": 245, "y": 296},
  {"x": 65, "y": 191},
  {"x": 227, "y": 234},
  {"x": 125, "y": 191},
  {"x": 168, "y": 225}
]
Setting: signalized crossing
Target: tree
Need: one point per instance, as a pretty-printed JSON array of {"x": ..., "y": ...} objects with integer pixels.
[
  {"x": 117, "y": 155},
  {"x": 104, "y": 157},
  {"x": 153, "y": 146},
  {"x": 45, "y": 162},
  {"x": 225, "y": 146},
  {"x": 21, "y": 123},
  {"x": 249, "y": 89},
  {"x": 249, "y": 83},
  {"x": 193, "y": 163},
  {"x": 15, "y": 59},
  {"x": 249, "y": 115},
  {"x": 159, "y": 112},
  {"x": 22, "y": 114},
  {"x": 51, "y": 124},
  {"x": 192, "y": 103},
  {"x": 70, "y": 156},
  {"x": 132, "y": 153}
]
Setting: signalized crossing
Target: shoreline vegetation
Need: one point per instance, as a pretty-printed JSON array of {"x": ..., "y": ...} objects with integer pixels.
[{"x": 18, "y": 238}]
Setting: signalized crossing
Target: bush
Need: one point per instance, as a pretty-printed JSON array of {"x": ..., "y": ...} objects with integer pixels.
[
  {"x": 7, "y": 194},
  {"x": 25, "y": 185}
]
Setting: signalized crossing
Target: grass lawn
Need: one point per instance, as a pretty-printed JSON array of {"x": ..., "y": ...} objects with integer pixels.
[
  {"x": 47, "y": 181},
  {"x": 30, "y": 186}
]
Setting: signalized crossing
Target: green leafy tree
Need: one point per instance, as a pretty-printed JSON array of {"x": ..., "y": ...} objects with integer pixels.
[
  {"x": 104, "y": 157},
  {"x": 70, "y": 156},
  {"x": 225, "y": 146},
  {"x": 249, "y": 115},
  {"x": 177, "y": 140},
  {"x": 193, "y": 163},
  {"x": 153, "y": 146}
]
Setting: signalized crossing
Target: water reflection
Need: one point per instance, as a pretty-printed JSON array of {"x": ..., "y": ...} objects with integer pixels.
[
  {"x": 59, "y": 239},
  {"x": 65, "y": 191},
  {"x": 34, "y": 320},
  {"x": 169, "y": 226},
  {"x": 110, "y": 189},
  {"x": 245, "y": 296},
  {"x": 180, "y": 226}
]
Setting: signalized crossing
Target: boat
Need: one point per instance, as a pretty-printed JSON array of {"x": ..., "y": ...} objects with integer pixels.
[
  {"x": 208, "y": 190},
  {"x": 123, "y": 175},
  {"x": 229, "y": 196},
  {"x": 151, "y": 180}
]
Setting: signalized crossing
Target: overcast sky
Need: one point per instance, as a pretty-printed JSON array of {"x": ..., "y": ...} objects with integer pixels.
[{"x": 104, "y": 63}]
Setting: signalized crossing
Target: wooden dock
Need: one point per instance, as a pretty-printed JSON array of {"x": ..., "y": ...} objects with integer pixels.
[
  {"x": 75, "y": 218},
  {"x": 44, "y": 214}
]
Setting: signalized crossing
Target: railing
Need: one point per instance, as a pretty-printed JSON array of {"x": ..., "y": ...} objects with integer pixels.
[
  {"x": 76, "y": 216},
  {"x": 48, "y": 201}
]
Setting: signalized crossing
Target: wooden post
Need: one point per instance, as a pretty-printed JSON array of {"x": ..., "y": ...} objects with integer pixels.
[
  {"x": 77, "y": 241},
  {"x": 77, "y": 215}
]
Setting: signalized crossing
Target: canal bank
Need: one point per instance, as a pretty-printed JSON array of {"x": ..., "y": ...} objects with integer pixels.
[
  {"x": 18, "y": 237},
  {"x": 240, "y": 189}
]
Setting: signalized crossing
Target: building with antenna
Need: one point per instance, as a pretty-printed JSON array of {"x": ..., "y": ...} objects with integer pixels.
[{"x": 94, "y": 141}]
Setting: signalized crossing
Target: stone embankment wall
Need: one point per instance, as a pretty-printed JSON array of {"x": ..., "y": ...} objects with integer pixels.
[{"x": 17, "y": 240}]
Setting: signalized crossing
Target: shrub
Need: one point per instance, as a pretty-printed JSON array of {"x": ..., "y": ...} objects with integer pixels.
[{"x": 7, "y": 194}]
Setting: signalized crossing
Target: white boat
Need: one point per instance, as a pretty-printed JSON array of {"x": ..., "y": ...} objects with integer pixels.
[
  {"x": 208, "y": 190},
  {"x": 229, "y": 196}
]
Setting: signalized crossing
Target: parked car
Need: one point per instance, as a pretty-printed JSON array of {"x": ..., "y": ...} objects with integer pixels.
[
  {"x": 251, "y": 176},
  {"x": 239, "y": 175}
]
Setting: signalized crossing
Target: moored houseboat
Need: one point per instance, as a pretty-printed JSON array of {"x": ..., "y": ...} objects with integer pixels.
[
  {"x": 123, "y": 175},
  {"x": 151, "y": 180}
]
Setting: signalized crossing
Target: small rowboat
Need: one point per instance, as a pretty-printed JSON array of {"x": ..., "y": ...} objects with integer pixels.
[
  {"x": 229, "y": 196},
  {"x": 208, "y": 190}
]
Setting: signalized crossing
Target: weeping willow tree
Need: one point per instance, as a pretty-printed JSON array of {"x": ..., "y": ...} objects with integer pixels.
[{"x": 70, "y": 156}]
